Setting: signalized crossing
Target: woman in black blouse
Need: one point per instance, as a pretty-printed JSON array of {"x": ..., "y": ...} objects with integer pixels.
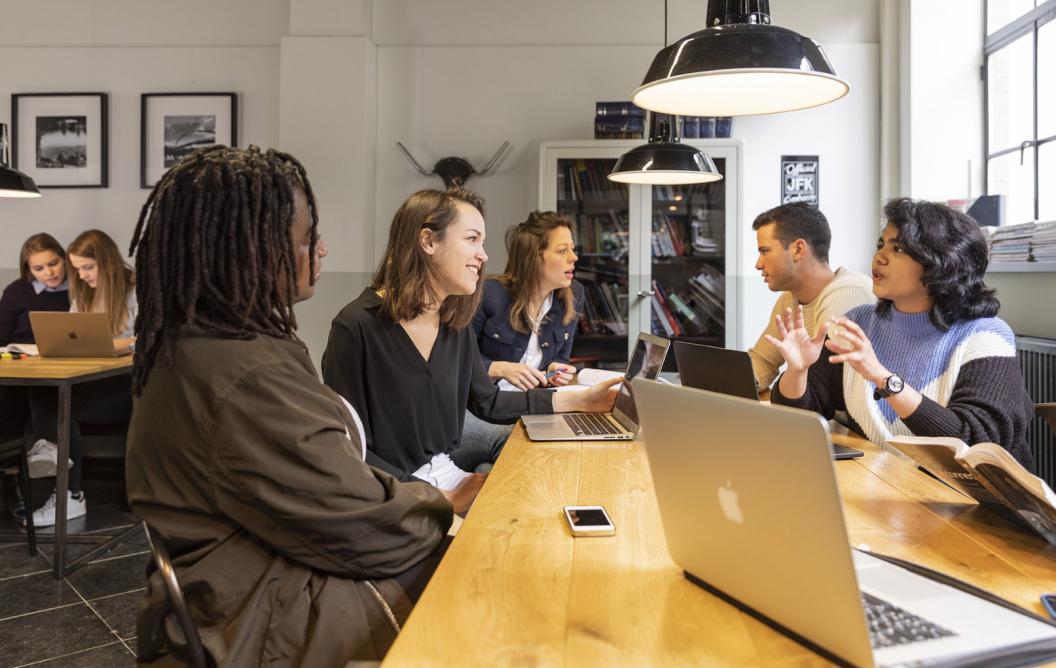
[
  {"x": 41, "y": 286},
  {"x": 403, "y": 354}
]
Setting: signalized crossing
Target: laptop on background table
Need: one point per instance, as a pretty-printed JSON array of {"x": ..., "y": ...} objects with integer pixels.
[
  {"x": 727, "y": 371},
  {"x": 647, "y": 360},
  {"x": 64, "y": 334},
  {"x": 724, "y": 493}
]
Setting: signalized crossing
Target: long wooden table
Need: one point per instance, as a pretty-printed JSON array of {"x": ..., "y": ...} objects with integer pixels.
[
  {"x": 63, "y": 374},
  {"x": 515, "y": 589}
]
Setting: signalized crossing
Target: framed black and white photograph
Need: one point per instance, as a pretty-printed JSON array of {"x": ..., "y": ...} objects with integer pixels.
[
  {"x": 175, "y": 124},
  {"x": 60, "y": 139}
]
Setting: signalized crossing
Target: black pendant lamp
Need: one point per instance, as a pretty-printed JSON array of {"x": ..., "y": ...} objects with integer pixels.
[
  {"x": 664, "y": 160},
  {"x": 13, "y": 183},
  {"x": 739, "y": 65}
]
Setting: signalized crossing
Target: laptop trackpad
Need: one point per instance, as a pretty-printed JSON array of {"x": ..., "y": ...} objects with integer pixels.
[
  {"x": 550, "y": 429},
  {"x": 894, "y": 584}
]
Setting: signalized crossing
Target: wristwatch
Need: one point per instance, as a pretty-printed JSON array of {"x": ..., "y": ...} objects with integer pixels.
[{"x": 893, "y": 384}]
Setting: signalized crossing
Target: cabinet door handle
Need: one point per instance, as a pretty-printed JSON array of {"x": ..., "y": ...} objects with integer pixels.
[{"x": 646, "y": 293}]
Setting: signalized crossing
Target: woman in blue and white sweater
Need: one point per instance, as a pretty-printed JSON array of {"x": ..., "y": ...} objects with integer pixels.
[{"x": 931, "y": 358}]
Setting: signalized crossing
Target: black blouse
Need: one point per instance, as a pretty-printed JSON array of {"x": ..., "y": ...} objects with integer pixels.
[{"x": 413, "y": 409}]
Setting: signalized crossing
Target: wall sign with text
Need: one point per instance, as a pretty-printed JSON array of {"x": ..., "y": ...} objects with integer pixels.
[{"x": 799, "y": 179}]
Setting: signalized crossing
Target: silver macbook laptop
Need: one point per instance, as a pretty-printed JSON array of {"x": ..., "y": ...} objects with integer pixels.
[
  {"x": 621, "y": 424},
  {"x": 63, "y": 334},
  {"x": 724, "y": 498}
]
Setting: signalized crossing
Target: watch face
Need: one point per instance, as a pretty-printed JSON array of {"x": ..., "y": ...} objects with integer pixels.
[{"x": 894, "y": 384}]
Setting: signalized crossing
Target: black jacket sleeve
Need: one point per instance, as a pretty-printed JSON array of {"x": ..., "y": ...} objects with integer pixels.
[
  {"x": 479, "y": 319},
  {"x": 824, "y": 392},
  {"x": 989, "y": 403},
  {"x": 8, "y": 316},
  {"x": 564, "y": 353}
]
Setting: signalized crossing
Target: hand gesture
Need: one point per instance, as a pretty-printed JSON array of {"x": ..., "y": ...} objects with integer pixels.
[
  {"x": 799, "y": 349},
  {"x": 462, "y": 497},
  {"x": 598, "y": 399},
  {"x": 851, "y": 346},
  {"x": 564, "y": 373},
  {"x": 521, "y": 376}
]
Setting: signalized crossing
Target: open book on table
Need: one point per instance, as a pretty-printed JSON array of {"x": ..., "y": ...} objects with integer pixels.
[
  {"x": 987, "y": 473},
  {"x": 24, "y": 348}
]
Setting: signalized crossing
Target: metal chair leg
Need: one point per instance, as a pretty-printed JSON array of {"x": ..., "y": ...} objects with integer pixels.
[{"x": 27, "y": 500}]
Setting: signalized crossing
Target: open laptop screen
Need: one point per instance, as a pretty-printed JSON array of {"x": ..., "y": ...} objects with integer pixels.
[{"x": 646, "y": 362}]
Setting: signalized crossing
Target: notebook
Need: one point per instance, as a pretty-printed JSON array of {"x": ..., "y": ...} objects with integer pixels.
[
  {"x": 724, "y": 495},
  {"x": 621, "y": 424},
  {"x": 63, "y": 334}
]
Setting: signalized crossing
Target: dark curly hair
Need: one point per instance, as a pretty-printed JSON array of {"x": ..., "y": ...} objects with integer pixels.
[{"x": 954, "y": 253}]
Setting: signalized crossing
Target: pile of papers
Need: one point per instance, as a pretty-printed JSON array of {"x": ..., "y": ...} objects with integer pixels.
[
  {"x": 1011, "y": 244},
  {"x": 1043, "y": 243}
]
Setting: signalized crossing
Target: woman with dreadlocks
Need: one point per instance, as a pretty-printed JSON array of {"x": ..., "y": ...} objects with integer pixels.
[
  {"x": 290, "y": 549},
  {"x": 404, "y": 355}
]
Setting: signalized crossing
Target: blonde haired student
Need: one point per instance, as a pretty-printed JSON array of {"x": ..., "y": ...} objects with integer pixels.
[{"x": 100, "y": 282}]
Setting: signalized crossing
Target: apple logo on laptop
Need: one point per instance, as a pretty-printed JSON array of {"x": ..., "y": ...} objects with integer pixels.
[
  {"x": 728, "y": 502},
  {"x": 72, "y": 335}
]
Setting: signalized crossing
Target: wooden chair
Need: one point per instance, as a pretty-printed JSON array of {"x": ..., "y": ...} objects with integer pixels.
[{"x": 175, "y": 595}]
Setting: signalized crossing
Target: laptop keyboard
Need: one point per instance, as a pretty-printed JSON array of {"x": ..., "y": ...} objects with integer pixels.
[
  {"x": 890, "y": 625},
  {"x": 590, "y": 424}
]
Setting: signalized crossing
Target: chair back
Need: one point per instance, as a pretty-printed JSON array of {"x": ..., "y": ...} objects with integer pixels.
[{"x": 172, "y": 588}]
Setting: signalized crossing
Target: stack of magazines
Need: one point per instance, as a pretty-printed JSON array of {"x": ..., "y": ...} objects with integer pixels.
[
  {"x": 1010, "y": 245},
  {"x": 1043, "y": 243}
]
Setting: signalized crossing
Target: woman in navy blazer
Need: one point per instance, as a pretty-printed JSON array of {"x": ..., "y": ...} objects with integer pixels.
[{"x": 525, "y": 324}]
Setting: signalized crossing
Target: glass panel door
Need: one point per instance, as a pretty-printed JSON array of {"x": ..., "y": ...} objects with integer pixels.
[
  {"x": 689, "y": 261},
  {"x": 601, "y": 211}
]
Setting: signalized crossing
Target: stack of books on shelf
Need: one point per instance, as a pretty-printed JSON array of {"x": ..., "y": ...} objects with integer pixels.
[
  {"x": 618, "y": 120},
  {"x": 603, "y": 234},
  {"x": 1011, "y": 245},
  {"x": 667, "y": 238},
  {"x": 1043, "y": 243},
  {"x": 604, "y": 303},
  {"x": 695, "y": 311},
  {"x": 588, "y": 180},
  {"x": 705, "y": 127}
]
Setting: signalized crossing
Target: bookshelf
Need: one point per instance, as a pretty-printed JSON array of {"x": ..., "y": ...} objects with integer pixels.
[{"x": 652, "y": 258}]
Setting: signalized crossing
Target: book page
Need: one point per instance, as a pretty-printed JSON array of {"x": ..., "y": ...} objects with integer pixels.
[
  {"x": 938, "y": 455},
  {"x": 1031, "y": 500},
  {"x": 24, "y": 348},
  {"x": 587, "y": 377},
  {"x": 995, "y": 455}
]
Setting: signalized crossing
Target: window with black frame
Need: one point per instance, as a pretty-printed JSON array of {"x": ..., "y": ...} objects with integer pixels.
[{"x": 1019, "y": 56}]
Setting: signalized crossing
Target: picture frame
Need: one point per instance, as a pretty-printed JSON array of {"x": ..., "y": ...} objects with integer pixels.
[
  {"x": 60, "y": 140},
  {"x": 174, "y": 124}
]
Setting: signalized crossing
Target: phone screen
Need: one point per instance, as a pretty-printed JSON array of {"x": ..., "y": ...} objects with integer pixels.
[{"x": 588, "y": 517}]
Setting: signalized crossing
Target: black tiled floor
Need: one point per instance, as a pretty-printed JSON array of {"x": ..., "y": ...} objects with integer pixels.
[
  {"x": 50, "y": 634},
  {"x": 119, "y": 612},
  {"x": 110, "y": 576},
  {"x": 114, "y": 655},
  {"x": 15, "y": 560},
  {"x": 30, "y": 593}
]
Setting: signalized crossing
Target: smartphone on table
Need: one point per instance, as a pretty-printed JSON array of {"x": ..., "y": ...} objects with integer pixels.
[{"x": 589, "y": 521}]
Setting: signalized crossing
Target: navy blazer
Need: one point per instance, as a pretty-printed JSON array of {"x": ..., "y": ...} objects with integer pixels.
[{"x": 499, "y": 342}]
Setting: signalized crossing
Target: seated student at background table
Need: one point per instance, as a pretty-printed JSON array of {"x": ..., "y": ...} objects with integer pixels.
[
  {"x": 793, "y": 244},
  {"x": 931, "y": 358},
  {"x": 41, "y": 286},
  {"x": 100, "y": 282},
  {"x": 290, "y": 549},
  {"x": 525, "y": 324},
  {"x": 404, "y": 355}
]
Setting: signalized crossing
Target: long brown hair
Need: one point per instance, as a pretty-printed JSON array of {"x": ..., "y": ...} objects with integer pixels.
[
  {"x": 114, "y": 284},
  {"x": 39, "y": 243},
  {"x": 525, "y": 244},
  {"x": 405, "y": 275}
]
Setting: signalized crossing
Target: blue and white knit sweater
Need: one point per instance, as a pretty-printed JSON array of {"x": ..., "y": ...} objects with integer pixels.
[{"x": 968, "y": 374}]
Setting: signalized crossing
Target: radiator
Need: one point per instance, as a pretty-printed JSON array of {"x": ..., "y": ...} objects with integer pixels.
[{"x": 1037, "y": 360}]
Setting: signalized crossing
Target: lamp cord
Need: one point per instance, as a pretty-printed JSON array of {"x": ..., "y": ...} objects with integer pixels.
[{"x": 665, "y": 24}]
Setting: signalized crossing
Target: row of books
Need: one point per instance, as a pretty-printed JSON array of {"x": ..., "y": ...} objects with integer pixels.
[
  {"x": 624, "y": 120},
  {"x": 668, "y": 238},
  {"x": 1020, "y": 244},
  {"x": 581, "y": 180},
  {"x": 603, "y": 234},
  {"x": 604, "y": 305},
  {"x": 697, "y": 310}
]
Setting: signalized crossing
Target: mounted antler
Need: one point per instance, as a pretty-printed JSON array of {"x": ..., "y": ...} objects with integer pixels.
[{"x": 456, "y": 171}]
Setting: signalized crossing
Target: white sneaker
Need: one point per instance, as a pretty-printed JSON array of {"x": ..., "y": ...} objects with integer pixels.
[
  {"x": 45, "y": 515},
  {"x": 42, "y": 458}
]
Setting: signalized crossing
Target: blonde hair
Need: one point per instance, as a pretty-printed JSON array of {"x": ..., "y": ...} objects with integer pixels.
[{"x": 115, "y": 279}]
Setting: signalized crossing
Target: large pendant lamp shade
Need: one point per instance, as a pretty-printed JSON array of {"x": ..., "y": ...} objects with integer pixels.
[
  {"x": 739, "y": 65},
  {"x": 13, "y": 183},
  {"x": 664, "y": 161}
]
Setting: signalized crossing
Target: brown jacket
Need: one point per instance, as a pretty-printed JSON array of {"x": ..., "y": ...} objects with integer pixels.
[{"x": 282, "y": 537}]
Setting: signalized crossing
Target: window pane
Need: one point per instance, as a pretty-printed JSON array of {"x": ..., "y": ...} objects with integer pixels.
[
  {"x": 1047, "y": 175},
  {"x": 1047, "y": 80},
  {"x": 1005, "y": 176},
  {"x": 1011, "y": 94},
  {"x": 1001, "y": 12}
]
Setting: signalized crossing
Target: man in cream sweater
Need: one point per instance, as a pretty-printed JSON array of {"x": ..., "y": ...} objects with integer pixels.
[{"x": 794, "y": 260}]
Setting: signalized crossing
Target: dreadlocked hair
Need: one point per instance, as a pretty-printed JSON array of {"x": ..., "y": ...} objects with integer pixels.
[{"x": 214, "y": 249}]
